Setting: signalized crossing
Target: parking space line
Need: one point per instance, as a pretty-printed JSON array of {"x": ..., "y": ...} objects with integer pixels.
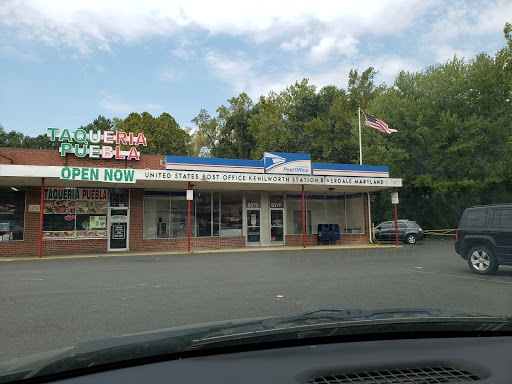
[{"x": 461, "y": 277}]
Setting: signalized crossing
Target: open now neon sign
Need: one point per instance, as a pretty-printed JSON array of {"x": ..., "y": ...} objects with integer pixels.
[{"x": 95, "y": 144}]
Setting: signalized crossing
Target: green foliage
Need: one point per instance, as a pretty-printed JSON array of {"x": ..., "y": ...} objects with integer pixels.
[
  {"x": 15, "y": 139},
  {"x": 453, "y": 122},
  {"x": 164, "y": 135}
]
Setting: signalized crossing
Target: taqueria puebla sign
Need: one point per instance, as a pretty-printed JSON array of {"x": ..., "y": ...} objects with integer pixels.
[{"x": 98, "y": 144}]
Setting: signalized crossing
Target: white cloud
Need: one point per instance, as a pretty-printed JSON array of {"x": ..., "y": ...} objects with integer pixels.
[
  {"x": 183, "y": 53},
  {"x": 329, "y": 45},
  {"x": 113, "y": 104},
  {"x": 97, "y": 24},
  {"x": 446, "y": 52},
  {"x": 296, "y": 43},
  {"x": 387, "y": 66},
  {"x": 236, "y": 72},
  {"x": 170, "y": 75},
  {"x": 458, "y": 28}
]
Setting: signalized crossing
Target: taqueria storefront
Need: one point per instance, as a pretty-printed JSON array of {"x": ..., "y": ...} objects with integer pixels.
[{"x": 109, "y": 198}]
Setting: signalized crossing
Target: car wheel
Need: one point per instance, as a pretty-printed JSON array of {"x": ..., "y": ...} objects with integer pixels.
[
  {"x": 482, "y": 261},
  {"x": 410, "y": 238}
]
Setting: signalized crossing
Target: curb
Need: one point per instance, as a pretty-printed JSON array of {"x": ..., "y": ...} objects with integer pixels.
[{"x": 27, "y": 258}]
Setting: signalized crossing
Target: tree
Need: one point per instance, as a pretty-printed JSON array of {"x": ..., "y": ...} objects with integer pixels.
[
  {"x": 275, "y": 125},
  {"x": 163, "y": 134},
  {"x": 100, "y": 123},
  {"x": 362, "y": 89},
  {"x": 235, "y": 140},
  {"x": 453, "y": 121},
  {"x": 208, "y": 128},
  {"x": 39, "y": 142}
]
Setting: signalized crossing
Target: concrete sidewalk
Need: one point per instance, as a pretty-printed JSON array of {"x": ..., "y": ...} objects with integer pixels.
[{"x": 194, "y": 251}]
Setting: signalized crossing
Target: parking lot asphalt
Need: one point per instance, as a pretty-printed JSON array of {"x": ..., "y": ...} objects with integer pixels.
[{"x": 54, "y": 303}]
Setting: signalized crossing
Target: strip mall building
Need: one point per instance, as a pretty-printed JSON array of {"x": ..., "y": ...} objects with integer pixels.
[{"x": 98, "y": 198}]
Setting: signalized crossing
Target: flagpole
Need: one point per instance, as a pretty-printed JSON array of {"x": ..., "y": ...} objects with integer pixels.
[{"x": 360, "y": 145}]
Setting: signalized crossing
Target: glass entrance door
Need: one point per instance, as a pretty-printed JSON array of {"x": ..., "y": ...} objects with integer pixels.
[
  {"x": 118, "y": 230},
  {"x": 276, "y": 226},
  {"x": 253, "y": 227}
]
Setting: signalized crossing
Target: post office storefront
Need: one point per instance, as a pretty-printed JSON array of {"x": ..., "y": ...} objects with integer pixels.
[{"x": 94, "y": 205}]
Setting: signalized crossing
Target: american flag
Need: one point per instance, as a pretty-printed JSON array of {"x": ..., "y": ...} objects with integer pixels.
[{"x": 373, "y": 122}]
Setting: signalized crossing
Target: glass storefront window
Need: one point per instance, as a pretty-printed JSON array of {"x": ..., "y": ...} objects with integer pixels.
[
  {"x": 12, "y": 213},
  {"x": 204, "y": 213},
  {"x": 166, "y": 215},
  {"x": 179, "y": 216},
  {"x": 216, "y": 213},
  {"x": 315, "y": 203},
  {"x": 212, "y": 214},
  {"x": 335, "y": 209},
  {"x": 355, "y": 213},
  {"x": 294, "y": 215},
  {"x": 157, "y": 214},
  {"x": 325, "y": 208},
  {"x": 65, "y": 215},
  {"x": 231, "y": 213}
]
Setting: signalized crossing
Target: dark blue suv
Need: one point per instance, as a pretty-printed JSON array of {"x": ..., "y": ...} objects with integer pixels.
[{"x": 484, "y": 237}]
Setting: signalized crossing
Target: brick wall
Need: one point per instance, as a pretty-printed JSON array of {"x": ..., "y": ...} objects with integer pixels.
[
  {"x": 22, "y": 156},
  {"x": 195, "y": 243},
  {"x": 296, "y": 240}
]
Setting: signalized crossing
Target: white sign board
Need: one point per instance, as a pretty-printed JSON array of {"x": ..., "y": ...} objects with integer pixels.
[
  {"x": 222, "y": 177},
  {"x": 394, "y": 197},
  {"x": 190, "y": 194}
]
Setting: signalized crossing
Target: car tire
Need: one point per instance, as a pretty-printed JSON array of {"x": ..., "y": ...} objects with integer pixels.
[
  {"x": 410, "y": 238},
  {"x": 481, "y": 260}
]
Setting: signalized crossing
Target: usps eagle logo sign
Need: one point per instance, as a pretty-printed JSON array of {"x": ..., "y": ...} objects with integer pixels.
[{"x": 287, "y": 163}]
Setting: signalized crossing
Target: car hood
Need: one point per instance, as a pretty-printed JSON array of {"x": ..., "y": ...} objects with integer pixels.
[{"x": 174, "y": 342}]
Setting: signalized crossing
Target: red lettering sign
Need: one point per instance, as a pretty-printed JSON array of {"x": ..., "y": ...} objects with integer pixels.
[
  {"x": 119, "y": 155},
  {"x": 141, "y": 140},
  {"x": 133, "y": 154},
  {"x": 121, "y": 138}
]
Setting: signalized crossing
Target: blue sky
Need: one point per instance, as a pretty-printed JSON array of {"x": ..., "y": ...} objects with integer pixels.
[{"x": 63, "y": 63}]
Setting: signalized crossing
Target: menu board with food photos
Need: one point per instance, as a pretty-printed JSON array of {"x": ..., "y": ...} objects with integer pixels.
[
  {"x": 91, "y": 207},
  {"x": 59, "y": 206}
]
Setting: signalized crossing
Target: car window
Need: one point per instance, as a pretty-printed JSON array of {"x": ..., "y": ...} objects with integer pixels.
[
  {"x": 476, "y": 218},
  {"x": 502, "y": 218},
  {"x": 176, "y": 163}
]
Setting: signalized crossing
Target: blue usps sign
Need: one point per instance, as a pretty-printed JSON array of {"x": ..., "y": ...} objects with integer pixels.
[{"x": 287, "y": 163}]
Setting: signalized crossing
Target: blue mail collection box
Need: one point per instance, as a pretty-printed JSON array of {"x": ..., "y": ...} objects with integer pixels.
[{"x": 329, "y": 233}]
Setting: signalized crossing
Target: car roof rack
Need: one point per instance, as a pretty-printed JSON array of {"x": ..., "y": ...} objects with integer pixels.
[{"x": 491, "y": 205}]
